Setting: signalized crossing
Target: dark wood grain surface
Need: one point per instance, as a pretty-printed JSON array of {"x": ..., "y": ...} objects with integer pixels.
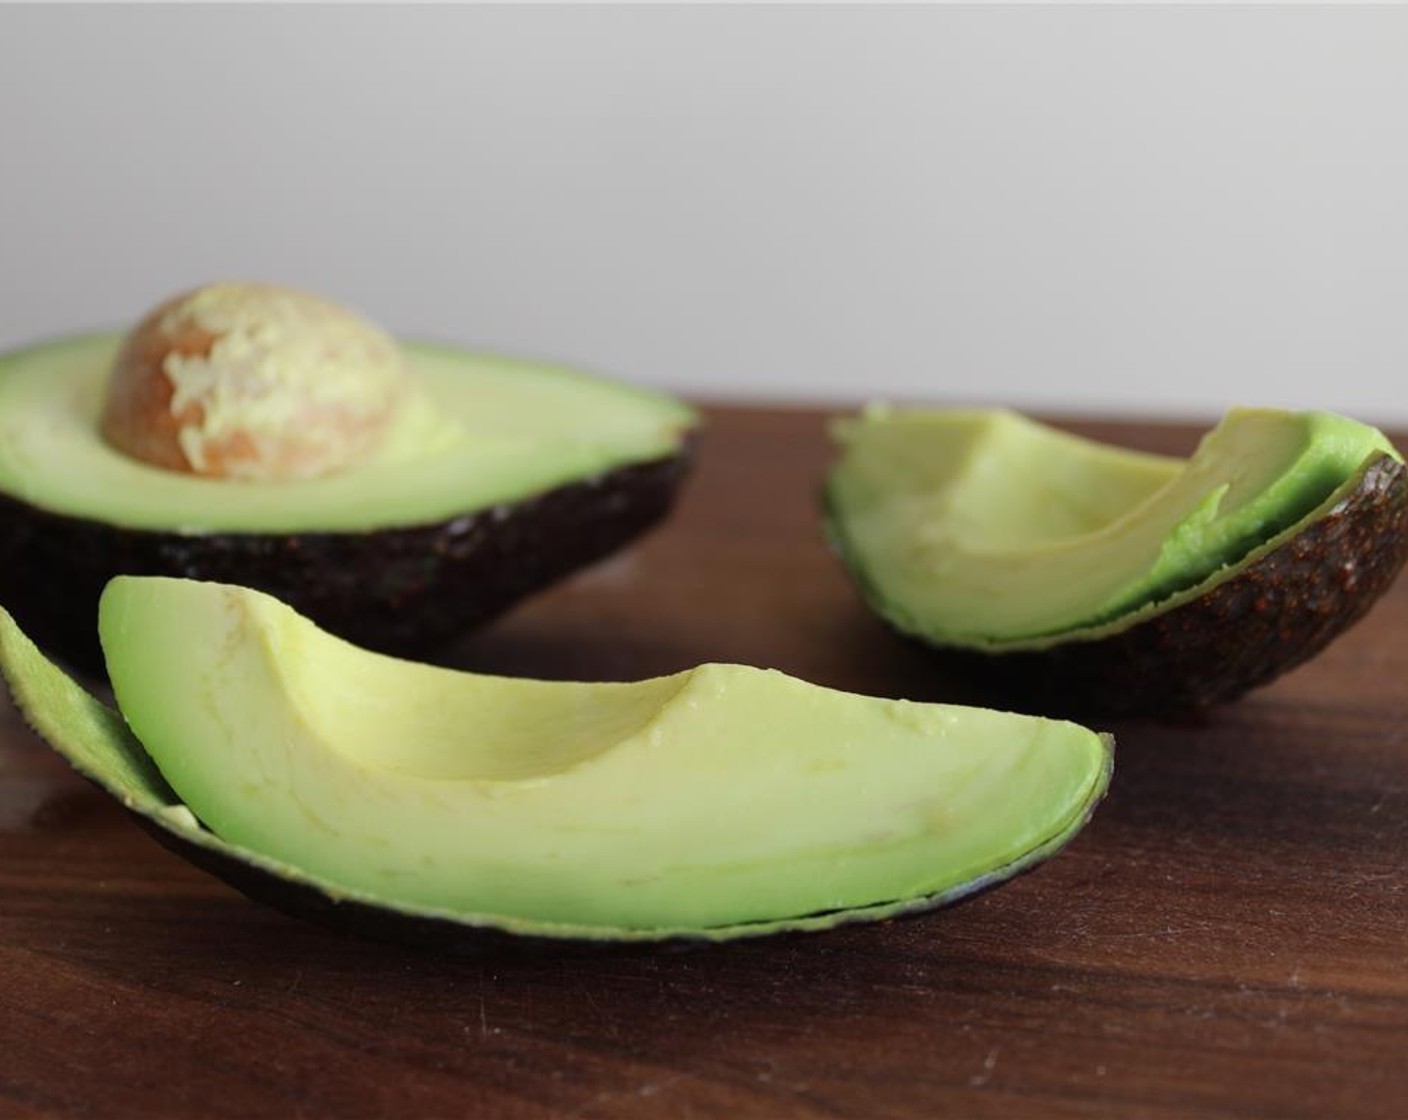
[{"x": 1229, "y": 937}]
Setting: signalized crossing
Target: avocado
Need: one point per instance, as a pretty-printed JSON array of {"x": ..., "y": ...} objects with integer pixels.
[
  {"x": 1089, "y": 577},
  {"x": 716, "y": 803},
  {"x": 498, "y": 478}
]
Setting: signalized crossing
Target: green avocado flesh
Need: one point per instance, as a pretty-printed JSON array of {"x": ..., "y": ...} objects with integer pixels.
[
  {"x": 719, "y": 802},
  {"x": 488, "y": 431},
  {"x": 986, "y": 529}
]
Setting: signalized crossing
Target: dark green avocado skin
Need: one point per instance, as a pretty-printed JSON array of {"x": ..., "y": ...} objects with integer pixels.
[
  {"x": 1276, "y": 613},
  {"x": 350, "y": 917},
  {"x": 399, "y": 590}
]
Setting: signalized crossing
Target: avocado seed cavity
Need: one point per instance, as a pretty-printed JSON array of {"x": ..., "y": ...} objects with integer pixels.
[{"x": 254, "y": 382}]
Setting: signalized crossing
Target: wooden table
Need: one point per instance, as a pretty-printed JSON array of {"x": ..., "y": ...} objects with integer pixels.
[{"x": 1229, "y": 937}]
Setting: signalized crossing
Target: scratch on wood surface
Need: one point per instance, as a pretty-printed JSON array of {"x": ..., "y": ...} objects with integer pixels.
[
  {"x": 645, "y": 1089},
  {"x": 989, "y": 1064}
]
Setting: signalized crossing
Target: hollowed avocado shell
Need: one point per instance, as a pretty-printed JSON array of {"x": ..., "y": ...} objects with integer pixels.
[
  {"x": 1238, "y": 630},
  {"x": 400, "y": 590},
  {"x": 1235, "y": 631}
]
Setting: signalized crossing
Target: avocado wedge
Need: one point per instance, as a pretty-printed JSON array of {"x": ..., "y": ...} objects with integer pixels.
[
  {"x": 505, "y": 477},
  {"x": 409, "y": 800},
  {"x": 1092, "y": 578}
]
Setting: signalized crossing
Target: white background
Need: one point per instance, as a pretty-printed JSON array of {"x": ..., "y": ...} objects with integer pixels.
[{"x": 1111, "y": 210}]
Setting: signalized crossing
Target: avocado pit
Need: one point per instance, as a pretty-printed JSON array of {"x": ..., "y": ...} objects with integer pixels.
[{"x": 252, "y": 381}]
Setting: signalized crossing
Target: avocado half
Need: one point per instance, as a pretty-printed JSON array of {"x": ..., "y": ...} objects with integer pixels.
[
  {"x": 1085, "y": 577},
  {"x": 409, "y": 800},
  {"x": 506, "y": 477}
]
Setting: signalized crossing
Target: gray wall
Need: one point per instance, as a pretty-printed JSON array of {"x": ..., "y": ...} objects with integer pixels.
[{"x": 1139, "y": 209}]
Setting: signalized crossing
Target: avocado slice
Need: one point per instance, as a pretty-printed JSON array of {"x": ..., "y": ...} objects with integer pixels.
[
  {"x": 504, "y": 477},
  {"x": 720, "y": 802},
  {"x": 1094, "y": 577}
]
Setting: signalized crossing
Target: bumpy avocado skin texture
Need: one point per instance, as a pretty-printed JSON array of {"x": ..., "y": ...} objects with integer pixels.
[
  {"x": 399, "y": 590},
  {"x": 1218, "y": 641}
]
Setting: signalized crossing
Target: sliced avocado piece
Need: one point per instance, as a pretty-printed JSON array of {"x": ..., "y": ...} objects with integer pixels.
[
  {"x": 504, "y": 477},
  {"x": 720, "y": 802},
  {"x": 990, "y": 533}
]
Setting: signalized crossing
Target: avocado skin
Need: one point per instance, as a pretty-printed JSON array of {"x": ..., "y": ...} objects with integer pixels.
[
  {"x": 355, "y": 918},
  {"x": 1277, "y": 612},
  {"x": 398, "y": 590}
]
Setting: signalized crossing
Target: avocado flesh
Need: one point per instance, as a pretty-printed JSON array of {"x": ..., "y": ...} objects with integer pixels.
[
  {"x": 721, "y": 799},
  {"x": 987, "y": 530},
  {"x": 1237, "y": 630},
  {"x": 487, "y": 431}
]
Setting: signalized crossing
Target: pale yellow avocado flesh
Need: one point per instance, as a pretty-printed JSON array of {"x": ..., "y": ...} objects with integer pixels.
[
  {"x": 484, "y": 431},
  {"x": 711, "y": 799},
  {"x": 984, "y": 528}
]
